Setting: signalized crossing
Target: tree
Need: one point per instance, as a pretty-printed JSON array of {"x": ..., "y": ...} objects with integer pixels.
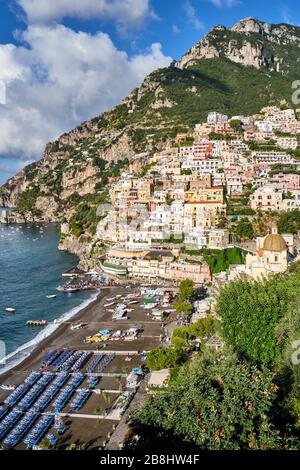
[
  {"x": 215, "y": 405},
  {"x": 235, "y": 123},
  {"x": 187, "y": 290},
  {"x": 184, "y": 307},
  {"x": 45, "y": 444},
  {"x": 251, "y": 313},
  {"x": 163, "y": 358},
  {"x": 289, "y": 222},
  {"x": 202, "y": 328},
  {"x": 244, "y": 229},
  {"x": 26, "y": 204}
]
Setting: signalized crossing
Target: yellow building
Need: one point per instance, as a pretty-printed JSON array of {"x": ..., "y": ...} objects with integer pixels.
[{"x": 214, "y": 193}]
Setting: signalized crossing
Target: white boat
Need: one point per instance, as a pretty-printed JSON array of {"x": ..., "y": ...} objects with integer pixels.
[
  {"x": 70, "y": 290},
  {"x": 10, "y": 310},
  {"x": 51, "y": 296},
  {"x": 8, "y": 387},
  {"x": 77, "y": 327}
]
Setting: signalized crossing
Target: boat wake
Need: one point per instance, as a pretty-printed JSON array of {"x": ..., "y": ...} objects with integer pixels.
[{"x": 24, "y": 351}]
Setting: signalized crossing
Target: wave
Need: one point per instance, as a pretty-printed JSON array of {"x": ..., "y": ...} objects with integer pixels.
[{"x": 24, "y": 351}]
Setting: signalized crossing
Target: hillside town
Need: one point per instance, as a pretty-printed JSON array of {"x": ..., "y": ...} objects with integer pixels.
[{"x": 196, "y": 195}]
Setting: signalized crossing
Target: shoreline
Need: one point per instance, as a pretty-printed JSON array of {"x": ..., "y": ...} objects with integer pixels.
[{"x": 59, "y": 328}]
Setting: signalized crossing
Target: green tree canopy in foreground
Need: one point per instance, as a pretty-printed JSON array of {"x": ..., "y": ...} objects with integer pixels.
[
  {"x": 251, "y": 313},
  {"x": 163, "y": 358},
  {"x": 215, "y": 405}
]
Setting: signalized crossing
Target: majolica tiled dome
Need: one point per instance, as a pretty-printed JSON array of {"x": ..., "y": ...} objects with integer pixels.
[{"x": 274, "y": 242}]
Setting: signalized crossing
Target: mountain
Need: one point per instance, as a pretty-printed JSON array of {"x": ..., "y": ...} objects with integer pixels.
[{"x": 235, "y": 71}]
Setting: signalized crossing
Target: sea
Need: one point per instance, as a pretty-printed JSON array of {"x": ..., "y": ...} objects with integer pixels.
[{"x": 31, "y": 268}]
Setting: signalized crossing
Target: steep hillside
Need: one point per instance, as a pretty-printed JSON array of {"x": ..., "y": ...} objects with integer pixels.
[{"x": 237, "y": 70}]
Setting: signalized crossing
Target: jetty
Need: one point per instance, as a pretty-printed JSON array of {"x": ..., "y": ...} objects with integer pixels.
[{"x": 36, "y": 323}]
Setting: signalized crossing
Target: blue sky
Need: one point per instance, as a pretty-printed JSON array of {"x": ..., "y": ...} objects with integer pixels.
[{"x": 63, "y": 61}]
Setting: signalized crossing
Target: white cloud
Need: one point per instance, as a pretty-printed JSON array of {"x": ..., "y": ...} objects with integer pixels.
[
  {"x": 287, "y": 15},
  {"x": 175, "y": 29},
  {"x": 124, "y": 12},
  {"x": 224, "y": 3},
  {"x": 192, "y": 16},
  {"x": 59, "y": 78}
]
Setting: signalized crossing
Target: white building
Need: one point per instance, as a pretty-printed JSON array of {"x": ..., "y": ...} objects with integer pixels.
[{"x": 215, "y": 118}]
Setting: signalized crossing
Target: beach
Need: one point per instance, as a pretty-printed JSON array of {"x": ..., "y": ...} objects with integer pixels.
[{"x": 126, "y": 356}]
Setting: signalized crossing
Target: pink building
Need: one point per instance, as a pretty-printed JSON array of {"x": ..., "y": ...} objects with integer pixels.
[{"x": 291, "y": 181}]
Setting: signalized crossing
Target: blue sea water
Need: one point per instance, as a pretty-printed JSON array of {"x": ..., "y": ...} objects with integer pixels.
[{"x": 31, "y": 268}]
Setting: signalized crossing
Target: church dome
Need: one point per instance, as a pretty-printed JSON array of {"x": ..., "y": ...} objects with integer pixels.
[{"x": 274, "y": 242}]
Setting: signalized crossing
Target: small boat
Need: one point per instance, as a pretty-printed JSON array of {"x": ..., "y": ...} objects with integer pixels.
[
  {"x": 8, "y": 387},
  {"x": 79, "y": 326},
  {"x": 10, "y": 310},
  {"x": 70, "y": 290},
  {"x": 51, "y": 296}
]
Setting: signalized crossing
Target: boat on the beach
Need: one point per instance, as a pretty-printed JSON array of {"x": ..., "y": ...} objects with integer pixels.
[
  {"x": 79, "y": 326},
  {"x": 10, "y": 310},
  {"x": 51, "y": 296},
  {"x": 8, "y": 387}
]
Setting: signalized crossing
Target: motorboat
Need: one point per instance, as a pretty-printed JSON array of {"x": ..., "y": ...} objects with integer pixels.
[
  {"x": 70, "y": 290},
  {"x": 8, "y": 387},
  {"x": 79, "y": 326},
  {"x": 51, "y": 296},
  {"x": 10, "y": 310}
]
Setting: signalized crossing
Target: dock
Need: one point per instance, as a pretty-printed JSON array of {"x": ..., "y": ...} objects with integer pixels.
[{"x": 36, "y": 323}]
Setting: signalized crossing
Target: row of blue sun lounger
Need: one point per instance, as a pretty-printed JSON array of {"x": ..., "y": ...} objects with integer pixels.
[
  {"x": 35, "y": 393},
  {"x": 30, "y": 397},
  {"x": 31, "y": 416},
  {"x": 50, "y": 358},
  {"x": 16, "y": 395},
  {"x": 33, "y": 377},
  {"x": 22, "y": 428},
  {"x": 3, "y": 412},
  {"x": 68, "y": 392},
  {"x": 62, "y": 361},
  {"x": 83, "y": 358},
  {"x": 92, "y": 382},
  {"x": 9, "y": 421},
  {"x": 82, "y": 396},
  {"x": 20, "y": 391},
  {"x": 39, "y": 431},
  {"x": 71, "y": 360},
  {"x": 48, "y": 395},
  {"x": 95, "y": 362},
  {"x": 106, "y": 362}
]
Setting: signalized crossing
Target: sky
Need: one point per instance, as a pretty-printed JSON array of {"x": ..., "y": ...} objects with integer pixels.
[{"x": 65, "y": 61}]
